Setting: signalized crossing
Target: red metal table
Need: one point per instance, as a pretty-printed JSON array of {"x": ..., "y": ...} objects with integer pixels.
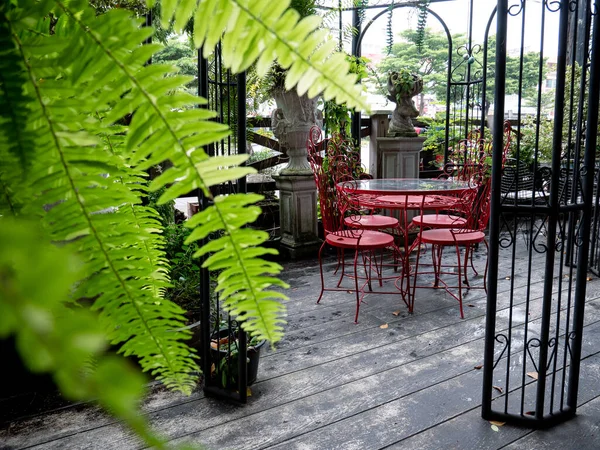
[{"x": 403, "y": 194}]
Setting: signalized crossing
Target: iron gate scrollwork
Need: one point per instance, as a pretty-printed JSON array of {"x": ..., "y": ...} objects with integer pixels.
[{"x": 533, "y": 344}]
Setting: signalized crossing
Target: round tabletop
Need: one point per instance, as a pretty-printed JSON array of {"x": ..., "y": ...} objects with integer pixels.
[{"x": 415, "y": 186}]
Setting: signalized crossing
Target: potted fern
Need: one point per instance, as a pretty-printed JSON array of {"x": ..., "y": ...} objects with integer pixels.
[{"x": 225, "y": 356}]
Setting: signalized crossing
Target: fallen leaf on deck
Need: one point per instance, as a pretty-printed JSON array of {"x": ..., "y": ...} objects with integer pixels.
[
  {"x": 533, "y": 375},
  {"x": 498, "y": 424},
  {"x": 397, "y": 313},
  {"x": 478, "y": 367},
  {"x": 499, "y": 389},
  {"x": 248, "y": 392},
  {"x": 495, "y": 428},
  {"x": 384, "y": 326}
]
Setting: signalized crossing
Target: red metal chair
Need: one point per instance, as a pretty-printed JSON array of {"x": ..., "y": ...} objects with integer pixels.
[
  {"x": 342, "y": 162},
  {"x": 474, "y": 155},
  {"x": 336, "y": 207},
  {"x": 475, "y": 212}
]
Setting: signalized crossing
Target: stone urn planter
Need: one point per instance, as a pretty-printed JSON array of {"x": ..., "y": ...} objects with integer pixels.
[
  {"x": 291, "y": 122},
  {"x": 402, "y": 87}
]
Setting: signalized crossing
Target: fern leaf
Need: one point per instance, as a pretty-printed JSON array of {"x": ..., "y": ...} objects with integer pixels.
[
  {"x": 264, "y": 30},
  {"x": 54, "y": 338},
  {"x": 14, "y": 103},
  {"x": 94, "y": 208}
]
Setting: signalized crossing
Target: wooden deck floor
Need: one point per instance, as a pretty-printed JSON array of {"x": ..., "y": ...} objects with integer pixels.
[{"x": 392, "y": 381}]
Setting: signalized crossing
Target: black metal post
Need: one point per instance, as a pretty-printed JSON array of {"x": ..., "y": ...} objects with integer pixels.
[
  {"x": 559, "y": 104},
  {"x": 356, "y": 51},
  {"x": 203, "y": 203},
  {"x": 490, "y": 324},
  {"x": 589, "y": 163}
]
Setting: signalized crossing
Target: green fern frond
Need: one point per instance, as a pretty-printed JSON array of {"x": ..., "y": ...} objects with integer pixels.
[
  {"x": 54, "y": 338},
  {"x": 244, "y": 277},
  {"x": 173, "y": 131},
  {"x": 86, "y": 195},
  {"x": 14, "y": 104},
  {"x": 264, "y": 31}
]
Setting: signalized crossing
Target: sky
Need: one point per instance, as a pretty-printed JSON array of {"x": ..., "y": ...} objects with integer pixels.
[{"x": 456, "y": 15}]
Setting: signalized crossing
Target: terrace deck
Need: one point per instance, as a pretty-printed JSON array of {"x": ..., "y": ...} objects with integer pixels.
[{"x": 334, "y": 384}]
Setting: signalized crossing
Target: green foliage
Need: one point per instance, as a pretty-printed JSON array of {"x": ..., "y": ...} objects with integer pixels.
[
  {"x": 53, "y": 336},
  {"x": 338, "y": 117},
  {"x": 304, "y": 7},
  {"x": 185, "y": 270},
  {"x": 432, "y": 63},
  {"x": 65, "y": 84},
  {"x": 436, "y": 137},
  {"x": 262, "y": 30},
  {"x": 421, "y": 23},
  {"x": 404, "y": 81},
  {"x": 181, "y": 54},
  {"x": 536, "y": 139}
]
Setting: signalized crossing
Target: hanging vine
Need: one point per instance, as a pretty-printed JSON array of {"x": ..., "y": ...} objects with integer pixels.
[
  {"x": 390, "y": 34},
  {"x": 421, "y": 23}
]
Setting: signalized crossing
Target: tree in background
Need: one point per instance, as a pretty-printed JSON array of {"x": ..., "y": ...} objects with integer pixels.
[
  {"x": 432, "y": 63},
  {"x": 180, "y": 52}
]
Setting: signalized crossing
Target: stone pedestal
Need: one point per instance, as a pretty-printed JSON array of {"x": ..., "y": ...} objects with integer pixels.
[
  {"x": 398, "y": 157},
  {"x": 380, "y": 122},
  {"x": 298, "y": 214}
]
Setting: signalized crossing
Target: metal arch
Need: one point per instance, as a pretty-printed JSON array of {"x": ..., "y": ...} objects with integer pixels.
[
  {"x": 403, "y": 5},
  {"x": 450, "y": 51}
]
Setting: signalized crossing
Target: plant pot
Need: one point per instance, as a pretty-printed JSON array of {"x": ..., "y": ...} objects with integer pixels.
[
  {"x": 291, "y": 123},
  {"x": 220, "y": 355}
]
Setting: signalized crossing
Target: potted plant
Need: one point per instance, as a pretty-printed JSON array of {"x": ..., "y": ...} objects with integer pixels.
[
  {"x": 402, "y": 86},
  {"x": 295, "y": 114},
  {"x": 224, "y": 351}
]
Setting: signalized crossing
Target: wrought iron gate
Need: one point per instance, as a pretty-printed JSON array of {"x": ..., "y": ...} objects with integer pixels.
[
  {"x": 533, "y": 346},
  {"x": 224, "y": 350}
]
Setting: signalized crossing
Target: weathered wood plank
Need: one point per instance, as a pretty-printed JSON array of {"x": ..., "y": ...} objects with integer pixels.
[
  {"x": 327, "y": 370},
  {"x": 313, "y": 385}
]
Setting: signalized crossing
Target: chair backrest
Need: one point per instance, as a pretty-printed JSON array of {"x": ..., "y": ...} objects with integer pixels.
[
  {"x": 470, "y": 154},
  {"x": 475, "y": 204},
  {"x": 326, "y": 190},
  {"x": 334, "y": 161}
]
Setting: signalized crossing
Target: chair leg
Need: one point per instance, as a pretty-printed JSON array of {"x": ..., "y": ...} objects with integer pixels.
[
  {"x": 358, "y": 297},
  {"x": 468, "y": 250},
  {"x": 436, "y": 261},
  {"x": 343, "y": 264},
  {"x": 460, "y": 305},
  {"x": 487, "y": 260},
  {"x": 415, "y": 275},
  {"x": 321, "y": 271},
  {"x": 339, "y": 260},
  {"x": 367, "y": 273},
  {"x": 472, "y": 265},
  {"x": 380, "y": 267}
]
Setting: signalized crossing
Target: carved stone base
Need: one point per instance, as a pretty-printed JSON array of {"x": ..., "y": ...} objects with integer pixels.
[
  {"x": 398, "y": 157},
  {"x": 298, "y": 214}
]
